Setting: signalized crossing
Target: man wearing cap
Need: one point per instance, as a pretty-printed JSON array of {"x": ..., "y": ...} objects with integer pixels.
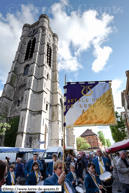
[
  {"x": 30, "y": 163},
  {"x": 49, "y": 170},
  {"x": 102, "y": 164}
]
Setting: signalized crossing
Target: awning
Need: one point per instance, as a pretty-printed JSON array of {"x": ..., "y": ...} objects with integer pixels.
[
  {"x": 121, "y": 145},
  {"x": 20, "y": 149}
]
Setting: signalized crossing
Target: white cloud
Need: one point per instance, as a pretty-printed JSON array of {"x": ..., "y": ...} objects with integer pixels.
[
  {"x": 11, "y": 28},
  {"x": 102, "y": 55},
  {"x": 1, "y": 92},
  {"x": 78, "y": 32},
  {"x": 116, "y": 91}
]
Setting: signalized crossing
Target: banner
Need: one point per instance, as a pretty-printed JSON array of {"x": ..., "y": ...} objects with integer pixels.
[{"x": 89, "y": 103}]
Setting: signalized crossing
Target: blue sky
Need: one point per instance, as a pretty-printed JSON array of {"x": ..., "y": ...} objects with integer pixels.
[{"x": 93, "y": 40}]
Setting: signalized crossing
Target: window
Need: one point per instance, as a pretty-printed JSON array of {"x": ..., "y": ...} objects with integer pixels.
[
  {"x": 47, "y": 76},
  {"x": 46, "y": 107},
  {"x": 26, "y": 70},
  {"x": 30, "y": 49},
  {"x": 18, "y": 103},
  {"x": 49, "y": 54}
]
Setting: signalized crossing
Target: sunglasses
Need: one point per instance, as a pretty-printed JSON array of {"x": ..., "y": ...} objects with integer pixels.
[{"x": 60, "y": 168}]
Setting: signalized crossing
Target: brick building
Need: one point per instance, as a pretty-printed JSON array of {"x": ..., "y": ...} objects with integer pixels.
[{"x": 92, "y": 139}]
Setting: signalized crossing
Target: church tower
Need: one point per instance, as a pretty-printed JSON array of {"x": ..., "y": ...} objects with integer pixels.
[{"x": 32, "y": 89}]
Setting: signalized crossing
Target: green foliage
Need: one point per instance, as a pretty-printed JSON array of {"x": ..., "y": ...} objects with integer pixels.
[
  {"x": 102, "y": 138},
  {"x": 10, "y": 135},
  {"x": 81, "y": 143},
  {"x": 3, "y": 126},
  {"x": 108, "y": 142},
  {"x": 118, "y": 131}
]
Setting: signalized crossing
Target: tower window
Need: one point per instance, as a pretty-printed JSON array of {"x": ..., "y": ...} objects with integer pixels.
[
  {"x": 47, "y": 76},
  {"x": 18, "y": 103},
  {"x": 26, "y": 70},
  {"x": 49, "y": 55},
  {"x": 30, "y": 49},
  {"x": 46, "y": 107}
]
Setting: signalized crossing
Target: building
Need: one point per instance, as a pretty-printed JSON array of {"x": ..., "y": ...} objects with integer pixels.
[
  {"x": 92, "y": 139},
  {"x": 32, "y": 89},
  {"x": 125, "y": 102}
]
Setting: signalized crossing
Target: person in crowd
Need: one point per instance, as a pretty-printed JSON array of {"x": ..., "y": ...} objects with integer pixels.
[
  {"x": 92, "y": 182},
  {"x": 59, "y": 178},
  {"x": 73, "y": 162},
  {"x": 11, "y": 179},
  {"x": 30, "y": 163},
  {"x": 3, "y": 173},
  {"x": 7, "y": 160},
  {"x": 34, "y": 176},
  {"x": 68, "y": 158},
  {"x": 102, "y": 164},
  {"x": 72, "y": 177},
  {"x": 68, "y": 162},
  {"x": 80, "y": 166},
  {"x": 19, "y": 168},
  {"x": 49, "y": 170},
  {"x": 117, "y": 156},
  {"x": 123, "y": 170},
  {"x": 85, "y": 162}
]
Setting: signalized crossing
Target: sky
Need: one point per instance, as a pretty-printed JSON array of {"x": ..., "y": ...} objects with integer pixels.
[{"x": 93, "y": 40}]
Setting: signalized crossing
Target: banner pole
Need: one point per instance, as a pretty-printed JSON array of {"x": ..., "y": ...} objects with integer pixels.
[{"x": 64, "y": 128}]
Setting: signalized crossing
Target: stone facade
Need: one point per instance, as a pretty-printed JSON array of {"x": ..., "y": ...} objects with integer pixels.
[{"x": 32, "y": 89}]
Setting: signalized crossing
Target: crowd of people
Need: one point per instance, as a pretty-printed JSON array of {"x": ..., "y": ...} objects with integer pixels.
[{"x": 83, "y": 169}]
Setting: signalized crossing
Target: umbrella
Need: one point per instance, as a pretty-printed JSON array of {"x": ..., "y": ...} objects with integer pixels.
[{"x": 121, "y": 145}]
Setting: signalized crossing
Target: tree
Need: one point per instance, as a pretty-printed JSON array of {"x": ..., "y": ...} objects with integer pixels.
[
  {"x": 3, "y": 126},
  {"x": 82, "y": 143},
  {"x": 102, "y": 138},
  {"x": 108, "y": 143},
  {"x": 10, "y": 141},
  {"x": 118, "y": 131}
]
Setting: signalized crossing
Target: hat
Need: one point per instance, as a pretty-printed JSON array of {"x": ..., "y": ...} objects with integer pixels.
[{"x": 7, "y": 157}]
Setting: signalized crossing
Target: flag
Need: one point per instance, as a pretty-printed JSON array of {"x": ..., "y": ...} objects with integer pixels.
[{"x": 89, "y": 103}]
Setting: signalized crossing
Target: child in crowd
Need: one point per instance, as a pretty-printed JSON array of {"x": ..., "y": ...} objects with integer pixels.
[
  {"x": 92, "y": 182},
  {"x": 72, "y": 177},
  {"x": 11, "y": 179},
  {"x": 34, "y": 176}
]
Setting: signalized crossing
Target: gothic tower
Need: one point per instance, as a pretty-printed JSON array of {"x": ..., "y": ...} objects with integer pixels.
[{"x": 32, "y": 89}]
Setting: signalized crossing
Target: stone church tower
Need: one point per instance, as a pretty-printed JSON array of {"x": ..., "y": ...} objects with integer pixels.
[{"x": 32, "y": 89}]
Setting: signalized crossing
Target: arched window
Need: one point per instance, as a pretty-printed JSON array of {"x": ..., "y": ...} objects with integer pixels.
[
  {"x": 26, "y": 70},
  {"x": 49, "y": 55},
  {"x": 47, "y": 76},
  {"x": 30, "y": 49},
  {"x": 18, "y": 103}
]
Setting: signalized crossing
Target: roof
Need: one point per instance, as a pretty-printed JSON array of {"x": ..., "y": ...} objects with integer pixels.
[{"x": 88, "y": 132}]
